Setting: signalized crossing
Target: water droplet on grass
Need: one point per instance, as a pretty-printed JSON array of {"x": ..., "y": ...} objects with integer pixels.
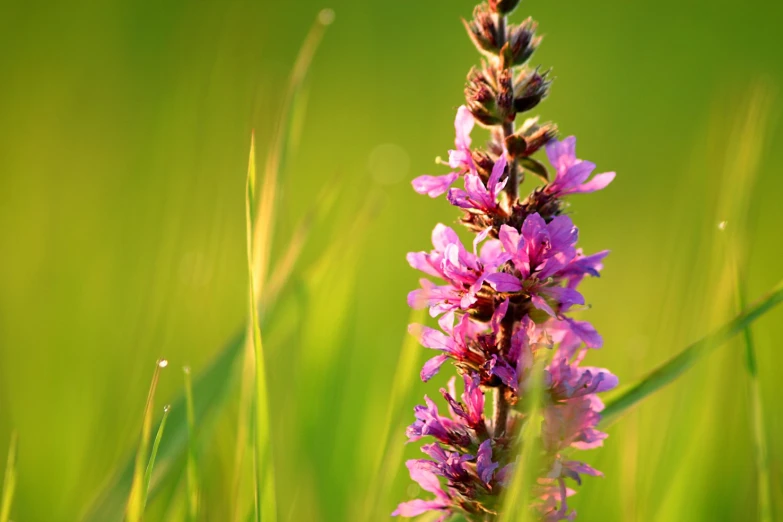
[{"x": 326, "y": 16}]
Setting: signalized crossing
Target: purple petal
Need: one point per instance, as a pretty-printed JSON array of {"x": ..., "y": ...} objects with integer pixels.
[
  {"x": 503, "y": 282},
  {"x": 416, "y": 507},
  {"x": 459, "y": 198},
  {"x": 541, "y": 304},
  {"x": 603, "y": 379},
  {"x": 421, "y": 261},
  {"x": 463, "y": 125},
  {"x": 574, "y": 176},
  {"x": 432, "y": 367},
  {"x": 498, "y": 315},
  {"x": 586, "y": 333},
  {"x": 497, "y": 171},
  {"x": 426, "y": 479},
  {"x": 563, "y": 234},
  {"x": 431, "y": 338},
  {"x": 562, "y": 154},
  {"x": 598, "y": 182},
  {"x": 509, "y": 237},
  {"x": 434, "y": 186},
  {"x": 443, "y": 236},
  {"x": 484, "y": 465},
  {"x": 533, "y": 225}
]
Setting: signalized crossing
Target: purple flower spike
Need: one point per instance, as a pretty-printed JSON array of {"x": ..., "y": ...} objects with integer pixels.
[{"x": 507, "y": 301}]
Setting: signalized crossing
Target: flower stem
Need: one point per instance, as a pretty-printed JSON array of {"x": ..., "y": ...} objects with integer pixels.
[{"x": 500, "y": 413}]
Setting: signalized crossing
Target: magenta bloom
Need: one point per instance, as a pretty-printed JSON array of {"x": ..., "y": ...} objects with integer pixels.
[
  {"x": 465, "y": 272},
  {"x": 478, "y": 197},
  {"x": 544, "y": 256},
  {"x": 459, "y": 159},
  {"x": 572, "y": 173},
  {"x": 428, "y": 482}
]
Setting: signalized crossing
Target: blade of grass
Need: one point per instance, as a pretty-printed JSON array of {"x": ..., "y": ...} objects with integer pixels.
[
  {"x": 757, "y": 414},
  {"x": 210, "y": 388},
  {"x": 516, "y": 499},
  {"x": 9, "y": 480},
  {"x": 262, "y": 451},
  {"x": 293, "y": 108},
  {"x": 747, "y": 161},
  {"x": 261, "y": 226},
  {"x": 136, "y": 499},
  {"x": 192, "y": 470},
  {"x": 154, "y": 453},
  {"x": 676, "y": 366},
  {"x": 212, "y": 385},
  {"x": 403, "y": 381}
]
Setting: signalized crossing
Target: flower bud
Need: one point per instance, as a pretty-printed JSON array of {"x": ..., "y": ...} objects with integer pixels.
[
  {"x": 483, "y": 163},
  {"x": 530, "y": 138},
  {"x": 503, "y": 7},
  {"x": 490, "y": 95},
  {"x": 523, "y": 41},
  {"x": 483, "y": 30},
  {"x": 531, "y": 88}
]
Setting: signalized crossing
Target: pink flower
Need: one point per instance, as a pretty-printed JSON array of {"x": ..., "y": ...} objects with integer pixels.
[
  {"x": 464, "y": 271},
  {"x": 572, "y": 172},
  {"x": 459, "y": 159},
  {"x": 478, "y": 197},
  {"x": 428, "y": 482}
]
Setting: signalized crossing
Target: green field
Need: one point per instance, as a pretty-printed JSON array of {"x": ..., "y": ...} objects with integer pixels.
[{"x": 125, "y": 129}]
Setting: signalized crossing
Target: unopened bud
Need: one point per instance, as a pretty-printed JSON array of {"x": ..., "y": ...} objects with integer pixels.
[
  {"x": 531, "y": 88},
  {"x": 530, "y": 138},
  {"x": 483, "y": 162},
  {"x": 483, "y": 30},
  {"x": 523, "y": 41},
  {"x": 503, "y": 7},
  {"x": 489, "y": 95}
]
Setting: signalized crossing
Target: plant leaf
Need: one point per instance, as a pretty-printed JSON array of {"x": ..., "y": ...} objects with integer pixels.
[
  {"x": 676, "y": 366},
  {"x": 210, "y": 389},
  {"x": 137, "y": 498},
  {"x": 9, "y": 482},
  {"x": 154, "y": 453}
]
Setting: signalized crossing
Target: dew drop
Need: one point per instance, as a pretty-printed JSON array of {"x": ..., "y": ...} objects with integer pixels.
[
  {"x": 186, "y": 369},
  {"x": 166, "y": 408},
  {"x": 326, "y": 16},
  {"x": 163, "y": 363},
  {"x": 722, "y": 225}
]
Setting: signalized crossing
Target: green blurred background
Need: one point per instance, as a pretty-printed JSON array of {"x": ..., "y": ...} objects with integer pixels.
[{"x": 124, "y": 135}]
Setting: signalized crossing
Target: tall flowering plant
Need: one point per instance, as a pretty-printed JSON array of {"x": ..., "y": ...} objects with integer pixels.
[{"x": 503, "y": 303}]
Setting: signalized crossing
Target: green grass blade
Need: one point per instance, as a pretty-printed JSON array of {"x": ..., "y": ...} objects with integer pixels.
[
  {"x": 209, "y": 390},
  {"x": 9, "y": 482},
  {"x": 154, "y": 453},
  {"x": 260, "y": 228},
  {"x": 137, "y": 497},
  {"x": 759, "y": 434},
  {"x": 517, "y": 498},
  {"x": 191, "y": 469},
  {"x": 404, "y": 375},
  {"x": 676, "y": 366},
  {"x": 266, "y": 507}
]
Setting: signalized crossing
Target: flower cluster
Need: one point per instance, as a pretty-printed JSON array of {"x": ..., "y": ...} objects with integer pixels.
[{"x": 503, "y": 303}]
